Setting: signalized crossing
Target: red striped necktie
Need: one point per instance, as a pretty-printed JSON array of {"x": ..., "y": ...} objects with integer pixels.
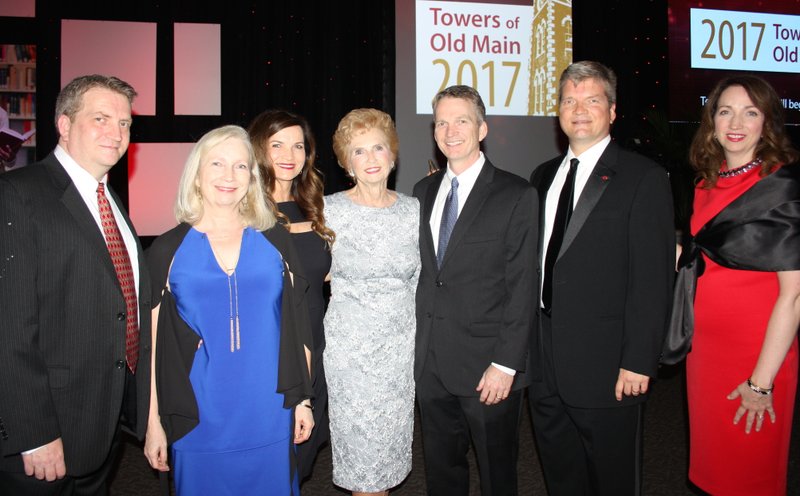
[{"x": 122, "y": 266}]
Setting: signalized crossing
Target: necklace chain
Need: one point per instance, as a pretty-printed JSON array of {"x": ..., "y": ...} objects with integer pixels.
[
  {"x": 233, "y": 301},
  {"x": 233, "y": 297},
  {"x": 740, "y": 170}
]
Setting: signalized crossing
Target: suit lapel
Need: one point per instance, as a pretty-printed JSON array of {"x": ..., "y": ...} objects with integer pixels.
[
  {"x": 592, "y": 191},
  {"x": 426, "y": 238},
  {"x": 478, "y": 195},
  {"x": 74, "y": 204},
  {"x": 542, "y": 182}
]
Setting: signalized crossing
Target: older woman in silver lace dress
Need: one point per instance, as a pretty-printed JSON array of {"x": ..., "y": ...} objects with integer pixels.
[{"x": 370, "y": 322}]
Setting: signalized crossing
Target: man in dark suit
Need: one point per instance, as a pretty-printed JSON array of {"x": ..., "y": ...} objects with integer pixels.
[
  {"x": 607, "y": 261},
  {"x": 474, "y": 318},
  {"x": 74, "y": 365}
]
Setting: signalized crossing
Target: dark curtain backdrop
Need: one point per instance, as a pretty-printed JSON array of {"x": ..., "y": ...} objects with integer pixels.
[
  {"x": 324, "y": 58},
  {"x": 319, "y": 59},
  {"x": 631, "y": 38}
]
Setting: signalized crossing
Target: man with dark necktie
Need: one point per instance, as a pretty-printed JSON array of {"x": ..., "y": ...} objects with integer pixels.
[
  {"x": 474, "y": 318},
  {"x": 75, "y": 318},
  {"x": 607, "y": 258}
]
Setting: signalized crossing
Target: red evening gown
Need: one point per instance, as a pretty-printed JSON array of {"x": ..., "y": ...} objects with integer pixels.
[{"x": 732, "y": 308}]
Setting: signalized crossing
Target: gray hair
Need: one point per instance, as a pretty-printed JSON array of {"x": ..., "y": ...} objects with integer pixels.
[{"x": 589, "y": 69}]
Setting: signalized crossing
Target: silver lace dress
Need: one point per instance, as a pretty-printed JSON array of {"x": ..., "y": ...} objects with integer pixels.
[{"x": 369, "y": 327}]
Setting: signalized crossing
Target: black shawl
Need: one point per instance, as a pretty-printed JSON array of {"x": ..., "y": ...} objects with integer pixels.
[{"x": 759, "y": 230}]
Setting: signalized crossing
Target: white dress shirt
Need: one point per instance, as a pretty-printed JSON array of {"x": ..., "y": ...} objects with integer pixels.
[
  {"x": 86, "y": 185},
  {"x": 466, "y": 181},
  {"x": 586, "y": 163}
]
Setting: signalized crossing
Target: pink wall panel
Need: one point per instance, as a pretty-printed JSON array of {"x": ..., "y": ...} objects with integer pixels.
[
  {"x": 197, "y": 69},
  {"x": 123, "y": 49},
  {"x": 153, "y": 173},
  {"x": 18, "y": 8}
]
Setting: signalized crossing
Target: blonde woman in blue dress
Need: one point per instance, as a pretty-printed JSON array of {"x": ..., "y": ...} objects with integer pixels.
[{"x": 231, "y": 383}]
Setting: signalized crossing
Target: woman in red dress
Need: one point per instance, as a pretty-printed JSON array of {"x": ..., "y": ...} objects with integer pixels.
[{"x": 742, "y": 371}]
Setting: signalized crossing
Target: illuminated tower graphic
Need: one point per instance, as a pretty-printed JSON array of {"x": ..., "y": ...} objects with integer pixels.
[{"x": 551, "y": 53}]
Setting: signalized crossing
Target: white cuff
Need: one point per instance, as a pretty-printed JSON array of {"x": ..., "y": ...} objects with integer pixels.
[
  {"x": 507, "y": 370},
  {"x": 31, "y": 451}
]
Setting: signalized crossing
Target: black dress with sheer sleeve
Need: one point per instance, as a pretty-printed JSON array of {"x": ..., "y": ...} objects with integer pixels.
[{"x": 315, "y": 257}]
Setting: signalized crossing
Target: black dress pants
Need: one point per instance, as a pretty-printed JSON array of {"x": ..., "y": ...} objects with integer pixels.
[
  {"x": 449, "y": 422},
  {"x": 584, "y": 451}
]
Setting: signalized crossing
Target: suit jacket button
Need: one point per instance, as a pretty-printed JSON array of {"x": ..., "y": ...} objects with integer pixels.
[
  {"x": 439, "y": 284},
  {"x": 121, "y": 316},
  {"x": 120, "y": 364}
]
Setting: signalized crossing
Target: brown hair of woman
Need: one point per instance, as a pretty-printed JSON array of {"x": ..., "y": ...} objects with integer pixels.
[
  {"x": 706, "y": 154},
  {"x": 307, "y": 188}
]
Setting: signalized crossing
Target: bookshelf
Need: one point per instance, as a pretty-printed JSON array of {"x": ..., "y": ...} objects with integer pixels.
[{"x": 18, "y": 94}]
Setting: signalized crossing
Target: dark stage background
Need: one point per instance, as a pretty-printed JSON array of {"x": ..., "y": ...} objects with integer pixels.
[{"x": 322, "y": 59}]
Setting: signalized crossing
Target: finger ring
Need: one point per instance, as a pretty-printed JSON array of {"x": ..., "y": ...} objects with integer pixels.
[{"x": 761, "y": 417}]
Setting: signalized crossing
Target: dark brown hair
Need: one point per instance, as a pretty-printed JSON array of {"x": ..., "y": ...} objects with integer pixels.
[
  {"x": 706, "y": 154},
  {"x": 307, "y": 187}
]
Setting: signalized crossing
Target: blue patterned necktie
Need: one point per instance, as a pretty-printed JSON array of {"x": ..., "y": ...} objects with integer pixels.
[{"x": 449, "y": 217}]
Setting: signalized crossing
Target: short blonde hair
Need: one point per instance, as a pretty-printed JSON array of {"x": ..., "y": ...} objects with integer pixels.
[
  {"x": 358, "y": 121},
  {"x": 256, "y": 208}
]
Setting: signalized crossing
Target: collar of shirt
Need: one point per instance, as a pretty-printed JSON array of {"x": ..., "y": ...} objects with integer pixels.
[
  {"x": 86, "y": 185},
  {"x": 466, "y": 181},
  {"x": 84, "y": 182},
  {"x": 588, "y": 159}
]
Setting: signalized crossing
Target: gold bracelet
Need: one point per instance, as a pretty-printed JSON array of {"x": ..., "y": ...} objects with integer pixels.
[{"x": 759, "y": 390}]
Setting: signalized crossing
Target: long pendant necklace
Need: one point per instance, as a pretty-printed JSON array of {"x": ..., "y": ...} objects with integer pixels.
[
  {"x": 233, "y": 300},
  {"x": 233, "y": 297}
]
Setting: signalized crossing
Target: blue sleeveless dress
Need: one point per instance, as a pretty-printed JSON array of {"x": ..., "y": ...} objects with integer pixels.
[{"x": 242, "y": 443}]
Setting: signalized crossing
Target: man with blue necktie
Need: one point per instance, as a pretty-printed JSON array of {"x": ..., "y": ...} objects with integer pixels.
[{"x": 474, "y": 318}]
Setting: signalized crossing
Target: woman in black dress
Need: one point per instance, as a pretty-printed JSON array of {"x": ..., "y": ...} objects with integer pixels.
[{"x": 285, "y": 151}]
